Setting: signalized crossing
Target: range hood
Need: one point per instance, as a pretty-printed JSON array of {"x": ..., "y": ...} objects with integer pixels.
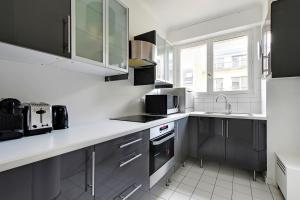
[{"x": 141, "y": 54}]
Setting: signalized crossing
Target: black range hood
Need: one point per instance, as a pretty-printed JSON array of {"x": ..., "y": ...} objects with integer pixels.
[{"x": 146, "y": 74}]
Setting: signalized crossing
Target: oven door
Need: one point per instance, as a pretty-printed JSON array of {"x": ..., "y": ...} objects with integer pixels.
[{"x": 161, "y": 150}]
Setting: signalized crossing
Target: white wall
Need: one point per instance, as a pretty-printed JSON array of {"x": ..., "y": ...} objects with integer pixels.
[
  {"x": 143, "y": 20},
  {"x": 233, "y": 22},
  {"x": 283, "y": 111},
  {"x": 88, "y": 97}
]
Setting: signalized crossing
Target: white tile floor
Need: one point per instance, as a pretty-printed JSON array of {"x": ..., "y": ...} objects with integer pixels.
[{"x": 213, "y": 182}]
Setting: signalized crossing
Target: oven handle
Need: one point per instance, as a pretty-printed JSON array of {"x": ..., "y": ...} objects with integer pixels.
[{"x": 155, "y": 143}]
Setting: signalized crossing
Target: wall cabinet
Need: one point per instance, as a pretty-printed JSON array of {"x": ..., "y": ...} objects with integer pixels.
[
  {"x": 285, "y": 43},
  {"x": 164, "y": 57},
  {"x": 37, "y": 24},
  {"x": 239, "y": 142},
  {"x": 101, "y": 33},
  {"x": 93, "y": 33}
]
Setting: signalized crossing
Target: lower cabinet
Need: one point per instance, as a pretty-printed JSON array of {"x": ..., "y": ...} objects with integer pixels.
[
  {"x": 117, "y": 169},
  {"x": 211, "y": 139},
  {"x": 113, "y": 170},
  {"x": 240, "y": 142},
  {"x": 40, "y": 180},
  {"x": 181, "y": 141}
]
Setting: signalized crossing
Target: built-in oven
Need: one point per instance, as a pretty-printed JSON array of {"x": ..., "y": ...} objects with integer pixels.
[{"x": 162, "y": 139}]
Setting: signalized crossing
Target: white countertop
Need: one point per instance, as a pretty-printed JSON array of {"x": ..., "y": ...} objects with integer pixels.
[
  {"x": 233, "y": 116},
  {"x": 15, "y": 153}
]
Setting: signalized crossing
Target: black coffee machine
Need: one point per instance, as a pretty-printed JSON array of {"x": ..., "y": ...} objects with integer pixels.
[{"x": 11, "y": 119}]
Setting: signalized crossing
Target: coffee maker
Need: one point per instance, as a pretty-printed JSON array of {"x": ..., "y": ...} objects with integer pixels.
[{"x": 11, "y": 119}]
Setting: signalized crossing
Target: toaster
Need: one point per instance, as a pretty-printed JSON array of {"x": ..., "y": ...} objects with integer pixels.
[{"x": 37, "y": 118}]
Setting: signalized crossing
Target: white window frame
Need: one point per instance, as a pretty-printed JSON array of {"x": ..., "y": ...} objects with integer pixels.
[{"x": 209, "y": 42}]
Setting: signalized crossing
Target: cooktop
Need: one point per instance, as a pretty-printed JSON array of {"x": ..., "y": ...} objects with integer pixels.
[{"x": 139, "y": 118}]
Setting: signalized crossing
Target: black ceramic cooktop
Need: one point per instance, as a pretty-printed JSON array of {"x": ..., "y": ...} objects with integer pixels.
[{"x": 139, "y": 118}]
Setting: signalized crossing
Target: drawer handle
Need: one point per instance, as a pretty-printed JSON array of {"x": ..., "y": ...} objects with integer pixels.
[
  {"x": 136, "y": 188},
  {"x": 130, "y": 160},
  {"x": 130, "y": 143}
]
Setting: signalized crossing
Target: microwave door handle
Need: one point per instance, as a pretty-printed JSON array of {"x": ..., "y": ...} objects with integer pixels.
[{"x": 155, "y": 143}]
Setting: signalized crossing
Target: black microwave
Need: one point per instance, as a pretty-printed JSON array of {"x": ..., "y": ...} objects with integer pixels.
[{"x": 162, "y": 104}]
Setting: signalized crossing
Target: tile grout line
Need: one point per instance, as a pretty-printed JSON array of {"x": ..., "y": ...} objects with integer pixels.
[
  {"x": 271, "y": 192},
  {"x": 251, "y": 191},
  {"x": 212, "y": 194},
  {"x": 197, "y": 182}
]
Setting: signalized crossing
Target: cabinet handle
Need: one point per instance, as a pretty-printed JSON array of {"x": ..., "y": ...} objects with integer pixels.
[
  {"x": 222, "y": 128},
  {"x": 93, "y": 171},
  {"x": 130, "y": 160},
  {"x": 130, "y": 143},
  {"x": 136, "y": 188},
  {"x": 227, "y": 128},
  {"x": 69, "y": 34}
]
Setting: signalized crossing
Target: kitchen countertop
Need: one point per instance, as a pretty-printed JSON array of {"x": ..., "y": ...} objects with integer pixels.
[
  {"x": 19, "y": 152},
  {"x": 232, "y": 116}
]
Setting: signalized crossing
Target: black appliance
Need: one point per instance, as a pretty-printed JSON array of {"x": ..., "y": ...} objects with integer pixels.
[
  {"x": 139, "y": 118},
  {"x": 60, "y": 119},
  {"x": 11, "y": 119},
  {"x": 162, "y": 104},
  {"x": 37, "y": 118},
  {"x": 162, "y": 139}
]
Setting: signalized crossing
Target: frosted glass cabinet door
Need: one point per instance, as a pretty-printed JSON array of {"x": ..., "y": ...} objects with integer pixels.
[
  {"x": 169, "y": 62},
  {"x": 117, "y": 35},
  {"x": 161, "y": 58},
  {"x": 89, "y": 29}
]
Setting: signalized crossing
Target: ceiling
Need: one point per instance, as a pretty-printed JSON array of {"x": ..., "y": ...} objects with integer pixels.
[{"x": 176, "y": 14}]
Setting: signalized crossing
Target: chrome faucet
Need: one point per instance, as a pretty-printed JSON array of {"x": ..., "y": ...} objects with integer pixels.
[{"x": 227, "y": 104}]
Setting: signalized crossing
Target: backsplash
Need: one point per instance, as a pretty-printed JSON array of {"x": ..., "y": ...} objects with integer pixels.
[{"x": 240, "y": 103}]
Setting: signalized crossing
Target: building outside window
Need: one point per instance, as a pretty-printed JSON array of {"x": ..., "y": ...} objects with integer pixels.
[{"x": 216, "y": 65}]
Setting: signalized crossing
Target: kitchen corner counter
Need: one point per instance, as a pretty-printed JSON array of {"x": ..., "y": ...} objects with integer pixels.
[
  {"x": 19, "y": 152},
  {"x": 233, "y": 115}
]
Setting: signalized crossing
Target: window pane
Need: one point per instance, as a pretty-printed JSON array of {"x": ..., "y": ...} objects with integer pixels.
[
  {"x": 231, "y": 64},
  {"x": 194, "y": 68}
]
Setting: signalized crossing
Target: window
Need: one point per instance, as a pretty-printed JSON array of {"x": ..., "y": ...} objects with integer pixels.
[
  {"x": 216, "y": 65},
  {"x": 234, "y": 53},
  {"x": 236, "y": 83},
  {"x": 194, "y": 68},
  {"x": 218, "y": 84}
]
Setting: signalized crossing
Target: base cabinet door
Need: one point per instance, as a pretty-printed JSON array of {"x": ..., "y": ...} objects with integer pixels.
[
  {"x": 16, "y": 184},
  {"x": 76, "y": 177},
  {"x": 240, "y": 149},
  {"x": 211, "y": 141},
  {"x": 122, "y": 168},
  {"x": 181, "y": 141}
]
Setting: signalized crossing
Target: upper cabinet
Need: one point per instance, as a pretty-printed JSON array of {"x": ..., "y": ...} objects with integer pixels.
[
  {"x": 91, "y": 34},
  {"x": 101, "y": 33},
  {"x": 37, "y": 24},
  {"x": 285, "y": 33},
  {"x": 117, "y": 35},
  {"x": 88, "y": 29},
  {"x": 164, "y": 59}
]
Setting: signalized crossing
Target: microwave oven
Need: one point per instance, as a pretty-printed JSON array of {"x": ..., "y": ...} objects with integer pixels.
[{"x": 163, "y": 104}]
